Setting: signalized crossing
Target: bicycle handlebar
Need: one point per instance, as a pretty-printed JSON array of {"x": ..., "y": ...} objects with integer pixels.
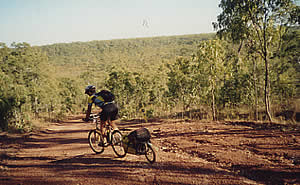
[{"x": 94, "y": 116}]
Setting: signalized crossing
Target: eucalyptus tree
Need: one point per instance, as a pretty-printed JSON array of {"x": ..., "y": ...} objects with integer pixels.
[
  {"x": 69, "y": 94},
  {"x": 262, "y": 22},
  {"x": 6, "y": 100},
  {"x": 134, "y": 91},
  {"x": 181, "y": 83},
  {"x": 211, "y": 67},
  {"x": 20, "y": 82}
]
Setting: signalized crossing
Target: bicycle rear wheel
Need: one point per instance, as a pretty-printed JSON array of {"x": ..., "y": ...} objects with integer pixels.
[
  {"x": 96, "y": 141},
  {"x": 150, "y": 154},
  {"x": 117, "y": 143}
]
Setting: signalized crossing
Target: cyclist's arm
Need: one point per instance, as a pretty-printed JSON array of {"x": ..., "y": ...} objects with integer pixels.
[{"x": 88, "y": 112}]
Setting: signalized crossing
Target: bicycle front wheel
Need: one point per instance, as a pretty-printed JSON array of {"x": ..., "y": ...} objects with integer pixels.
[
  {"x": 117, "y": 143},
  {"x": 96, "y": 141}
]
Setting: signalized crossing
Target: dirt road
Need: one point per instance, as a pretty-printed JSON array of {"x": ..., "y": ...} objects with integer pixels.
[{"x": 188, "y": 152}]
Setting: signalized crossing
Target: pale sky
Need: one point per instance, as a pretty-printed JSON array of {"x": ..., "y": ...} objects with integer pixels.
[{"x": 41, "y": 22}]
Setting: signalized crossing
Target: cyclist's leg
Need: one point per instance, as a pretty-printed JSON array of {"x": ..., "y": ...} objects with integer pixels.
[
  {"x": 102, "y": 127},
  {"x": 103, "y": 120},
  {"x": 111, "y": 112},
  {"x": 114, "y": 116},
  {"x": 112, "y": 124}
]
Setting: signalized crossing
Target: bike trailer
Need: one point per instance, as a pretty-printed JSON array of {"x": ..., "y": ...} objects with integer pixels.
[
  {"x": 128, "y": 145},
  {"x": 132, "y": 140}
]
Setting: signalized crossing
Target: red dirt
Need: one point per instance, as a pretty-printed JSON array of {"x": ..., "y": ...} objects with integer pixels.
[{"x": 188, "y": 152}]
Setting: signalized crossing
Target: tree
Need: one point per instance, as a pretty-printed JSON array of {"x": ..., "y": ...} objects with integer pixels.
[
  {"x": 261, "y": 22},
  {"x": 181, "y": 84},
  {"x": 133, "y": 91},
  {"x": 211, "y": 60},
  {"x": 19, "y": 77},
  {"x": 69, "y": 92}
]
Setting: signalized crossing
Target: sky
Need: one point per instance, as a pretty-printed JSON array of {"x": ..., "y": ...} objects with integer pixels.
[{"x": 42, "y": 22}]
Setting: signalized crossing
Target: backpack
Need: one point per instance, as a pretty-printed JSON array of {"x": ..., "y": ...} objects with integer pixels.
[
  {"x": 106, "y": 95},
  {"x": 139, "y": 135}
]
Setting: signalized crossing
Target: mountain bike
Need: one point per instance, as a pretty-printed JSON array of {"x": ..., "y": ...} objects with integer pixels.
[
  {"x": 121, "y": 145},
  {"x": 98, "y": 141}
]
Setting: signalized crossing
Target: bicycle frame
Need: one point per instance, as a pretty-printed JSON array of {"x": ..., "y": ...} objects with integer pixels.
[
  {"x": 106, "y": 129},
  {"x": 98, "y": 140}
]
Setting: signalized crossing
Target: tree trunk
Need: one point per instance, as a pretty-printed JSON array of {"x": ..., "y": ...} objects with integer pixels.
[
  {"x": 35, "y": 107},
  {"x": 255, "y": 91},
  {"x": 213, "y": 103},
  {"x": 265, "y": 56},
  {"x": 183, "y": 107},
  {"x": 267, "y": 100}
]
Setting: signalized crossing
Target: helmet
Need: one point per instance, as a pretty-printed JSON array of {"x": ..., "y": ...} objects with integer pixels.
[{"x": 89, "y": 88}]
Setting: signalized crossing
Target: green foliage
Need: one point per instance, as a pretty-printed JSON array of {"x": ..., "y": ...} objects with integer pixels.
[
  {"x": 19, "y": 72},
  {"x": 135, "y": 55},
  {"x": 181, "y": 85},
  {"x": 6, "y": 106},
  {"x": 69, "y": 91},
  {"x": 215, "y": 73},
  {"x": 150, "y": 77},
  {"x": 26, "y": 89},
  {"x": 134, "y": 92},
  {"x": 262, "y": 25}
]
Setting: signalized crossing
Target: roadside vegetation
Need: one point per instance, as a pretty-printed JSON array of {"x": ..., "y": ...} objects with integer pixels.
[{"x": 248, "y": 70}]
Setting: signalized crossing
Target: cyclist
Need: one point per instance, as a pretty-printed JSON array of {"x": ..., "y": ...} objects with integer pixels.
[{"x": 109, "y": 111}]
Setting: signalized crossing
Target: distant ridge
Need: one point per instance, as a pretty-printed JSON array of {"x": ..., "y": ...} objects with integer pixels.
[
  {"x": 135, "y": 54},
  {"x": 133, "y": 38}
]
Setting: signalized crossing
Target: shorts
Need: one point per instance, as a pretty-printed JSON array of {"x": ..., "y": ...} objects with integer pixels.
[{"x": 109, "y": 112}]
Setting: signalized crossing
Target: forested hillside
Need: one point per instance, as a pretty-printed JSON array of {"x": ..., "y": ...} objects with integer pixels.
[
  {"x": 132, "y": 54},
  {"x": 47, "y": 82},
  {"x": 135, "y": 69},
  {"x": 191, "y": 76}
]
